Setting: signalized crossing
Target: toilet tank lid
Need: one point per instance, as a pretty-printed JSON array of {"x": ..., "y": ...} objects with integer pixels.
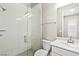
[{"x": 47, "y": 41}]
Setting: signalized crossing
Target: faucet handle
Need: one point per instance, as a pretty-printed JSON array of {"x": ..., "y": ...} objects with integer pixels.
[
  {"x": 70, "y": 40},
  {"x": 70, "y": 36}
]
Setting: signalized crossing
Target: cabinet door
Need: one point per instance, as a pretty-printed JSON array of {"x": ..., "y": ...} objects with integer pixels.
[{"x": 63, "y": 52}]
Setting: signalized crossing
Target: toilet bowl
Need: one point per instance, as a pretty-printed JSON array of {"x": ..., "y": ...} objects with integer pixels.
[
  {"x": 41, "y": 52},
  {"x": 45, "y": 50}
]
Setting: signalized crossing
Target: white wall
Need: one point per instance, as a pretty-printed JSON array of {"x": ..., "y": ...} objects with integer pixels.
[
  {"x": 12, "y": 41},
  {"x": 49, "y": 18},
  {"x": 36, "y": 27},
  {"x": 59, "y": 22}
]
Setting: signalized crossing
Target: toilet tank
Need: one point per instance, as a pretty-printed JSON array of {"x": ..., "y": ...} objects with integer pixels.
[{"x": 46, "y": 45}]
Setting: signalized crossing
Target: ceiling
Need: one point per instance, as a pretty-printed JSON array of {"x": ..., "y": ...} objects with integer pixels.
[{"x": 30, "y": 4}]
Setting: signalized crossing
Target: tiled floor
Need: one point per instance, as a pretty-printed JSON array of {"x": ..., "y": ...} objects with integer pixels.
[{"x": 29, "y": 52}]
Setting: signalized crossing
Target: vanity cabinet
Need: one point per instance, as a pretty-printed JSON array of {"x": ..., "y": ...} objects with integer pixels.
[{"x": 58, "y": 51}]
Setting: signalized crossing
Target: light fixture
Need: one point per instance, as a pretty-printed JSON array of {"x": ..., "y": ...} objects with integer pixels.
[{"x": 72, "y": 10}]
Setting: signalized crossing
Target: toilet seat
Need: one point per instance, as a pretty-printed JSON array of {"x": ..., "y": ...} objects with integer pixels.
[{"x": 41, "y": 52}]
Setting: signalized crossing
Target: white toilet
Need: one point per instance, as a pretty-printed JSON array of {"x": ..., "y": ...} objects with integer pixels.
[{"x": 45, "y": 50}]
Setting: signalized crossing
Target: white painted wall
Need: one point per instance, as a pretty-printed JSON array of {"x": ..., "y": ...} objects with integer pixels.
[
  {"x": 12, "y": 41},
  {"x": 60, "y": 22},
  {"x": 49, "y": 18},
  {"x": 36, "y": 27}
]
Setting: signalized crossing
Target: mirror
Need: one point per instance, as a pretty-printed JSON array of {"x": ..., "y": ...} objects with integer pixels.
[{"x": 68, "y": 21}]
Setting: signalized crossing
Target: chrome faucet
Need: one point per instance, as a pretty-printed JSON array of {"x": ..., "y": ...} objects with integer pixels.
[{"x": 70, "y": 40}]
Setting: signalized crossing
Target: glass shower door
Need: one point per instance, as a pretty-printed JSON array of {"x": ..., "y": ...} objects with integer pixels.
[
  {"x": 24, "y": 32},
  {"x": 32, "y": 32}
]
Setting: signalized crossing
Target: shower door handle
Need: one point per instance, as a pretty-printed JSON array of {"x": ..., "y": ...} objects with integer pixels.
[{"x": 25, "y": 38}]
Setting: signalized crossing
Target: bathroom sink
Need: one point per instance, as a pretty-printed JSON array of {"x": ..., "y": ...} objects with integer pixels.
[
  {"x": 63, "y": 44},
  {"x": 75, "y": 44}
]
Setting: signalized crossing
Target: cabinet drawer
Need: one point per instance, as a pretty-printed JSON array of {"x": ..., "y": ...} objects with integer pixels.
[{"x": 63, "y": 52}]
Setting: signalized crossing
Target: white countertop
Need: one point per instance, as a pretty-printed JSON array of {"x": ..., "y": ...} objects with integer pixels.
[{"x": 58, "y": 43}]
